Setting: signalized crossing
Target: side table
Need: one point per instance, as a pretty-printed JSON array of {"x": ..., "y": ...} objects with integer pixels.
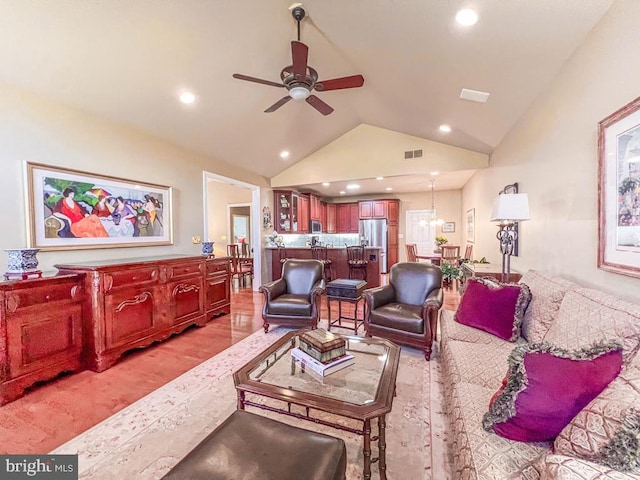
[{"x": 345, "y": 290}]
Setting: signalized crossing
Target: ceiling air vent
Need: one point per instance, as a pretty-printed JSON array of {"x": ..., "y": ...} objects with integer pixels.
[{"x": 412, "y": 154}]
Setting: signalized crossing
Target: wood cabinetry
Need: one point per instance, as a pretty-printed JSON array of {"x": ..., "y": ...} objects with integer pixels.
[
  {"x": 40, "y": 331},
  {"x": 373, "y": 209},
  {"x": 303, "y": 214},
  {"x": 332, "y": 218},
  {"x": 348, "y": 218},
  {"x": 393, "y": 217},
  {"x": 218, "y": 286},
  {"x": 131, "y": 304},
  {"x": 323, "y": 216},
  {"x": 315, "y": 208},
  {"x": 393, "y": 211}
]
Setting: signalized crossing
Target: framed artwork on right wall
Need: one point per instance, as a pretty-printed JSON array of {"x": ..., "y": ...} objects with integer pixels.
[{"x": 471, "y": 225}]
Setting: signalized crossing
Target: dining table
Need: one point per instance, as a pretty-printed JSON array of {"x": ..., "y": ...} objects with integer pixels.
[{"x": 434, "y": 258}]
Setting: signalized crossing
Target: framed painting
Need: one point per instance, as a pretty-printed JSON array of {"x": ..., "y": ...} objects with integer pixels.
[
  {"x": 619, "y": 191},
  {"x": 471, "y": 225},
  {"x": 448, "y": 227},
  {"x": 69, "y": 209}
]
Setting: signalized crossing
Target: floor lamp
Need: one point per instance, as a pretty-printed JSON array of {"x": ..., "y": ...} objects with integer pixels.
[{"x": 509, "y": 208}]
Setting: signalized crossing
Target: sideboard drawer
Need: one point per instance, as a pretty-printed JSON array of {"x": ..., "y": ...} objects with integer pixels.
[
  {"x": 135, "y": 276},
  {"x": 185, "y": 269},
  {"x": 217, "y": 266},
  {"x": 22, "y": 298}
]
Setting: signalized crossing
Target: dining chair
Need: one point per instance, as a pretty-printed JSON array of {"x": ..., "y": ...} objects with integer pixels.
[
  {"x": 412, "y": 251},
  {"x": 450, "y": 255},
  {"x": 241, "y": 268}
]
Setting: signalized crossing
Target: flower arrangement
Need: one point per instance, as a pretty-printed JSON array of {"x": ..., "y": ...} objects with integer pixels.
[
  {"x": 441, "y": 241},
  {"x": 275, "y": 240}
]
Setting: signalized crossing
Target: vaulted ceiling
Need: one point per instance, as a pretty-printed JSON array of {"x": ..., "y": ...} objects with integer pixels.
[{"x": 128, "y": 60}]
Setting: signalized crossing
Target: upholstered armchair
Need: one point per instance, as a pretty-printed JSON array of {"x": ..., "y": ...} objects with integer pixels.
[
  {"x": 294, "y": 299},
  {"x": 406, "y": 310}
]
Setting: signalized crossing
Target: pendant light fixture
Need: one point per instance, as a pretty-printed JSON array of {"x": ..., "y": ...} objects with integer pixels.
[{"x": 434, "y": 218}]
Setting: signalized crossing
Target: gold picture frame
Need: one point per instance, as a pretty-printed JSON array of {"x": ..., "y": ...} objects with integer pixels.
[{"x": 70, "y": 209}]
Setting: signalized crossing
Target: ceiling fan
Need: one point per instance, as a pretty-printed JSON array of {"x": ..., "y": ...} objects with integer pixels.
[{"x": 300, "y": 79}]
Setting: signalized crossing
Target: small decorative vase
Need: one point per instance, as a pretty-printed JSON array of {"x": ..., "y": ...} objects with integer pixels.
[
  {"x": 22, "y": 260},
  {"x": 207, "y": 248}
]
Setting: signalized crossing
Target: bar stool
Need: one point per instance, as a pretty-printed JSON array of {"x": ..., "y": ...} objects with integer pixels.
[
  {"x": 320, "y": 253},
  {"x": 357, "y": 261}
]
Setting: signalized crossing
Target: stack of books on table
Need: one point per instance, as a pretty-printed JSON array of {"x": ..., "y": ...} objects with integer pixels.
[
  {"x": 318, "y": 367},
  {"x": 322, "y": 345}
]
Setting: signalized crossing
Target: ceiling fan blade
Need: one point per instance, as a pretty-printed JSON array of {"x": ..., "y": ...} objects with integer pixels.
[
  {"x": 278, "y": 104},
  {"x": 319, "y": 105},
  {"x": 338, "y": 83},
  {"x": 239, "y": 76},
  {"x": 300, "y": 55}
]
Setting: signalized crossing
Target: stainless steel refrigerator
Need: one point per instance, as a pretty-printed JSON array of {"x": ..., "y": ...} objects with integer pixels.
[{"x": 374, "y": 234}]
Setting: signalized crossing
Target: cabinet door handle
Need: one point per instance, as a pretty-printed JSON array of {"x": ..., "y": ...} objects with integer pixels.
[{"x": 135, "y": 301}]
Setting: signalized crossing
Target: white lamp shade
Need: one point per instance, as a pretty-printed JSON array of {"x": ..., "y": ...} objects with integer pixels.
[{"x": 511, "y": 206}]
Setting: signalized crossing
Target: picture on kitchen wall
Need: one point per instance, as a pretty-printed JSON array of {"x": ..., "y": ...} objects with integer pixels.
[
  {"x": 448, "y": 227},
  {"x": 69, "y": 209},
  {"x": 471, "y": 225},
  {"x": 619, "y": 191}
]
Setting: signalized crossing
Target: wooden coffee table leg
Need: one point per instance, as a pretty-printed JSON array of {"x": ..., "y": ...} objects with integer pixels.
[
  {"x": 329, "y": 314},
  {"x": 367, "y": 449},
  {"x": 240, "y": 400},
  {"x": 382, "y": 447}
]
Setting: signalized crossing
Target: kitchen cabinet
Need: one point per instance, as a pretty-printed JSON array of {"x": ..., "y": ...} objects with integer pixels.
[
  {"x": 323, "y": 216},
  {"x": 303, "y": 214},
  {"x": 332, "y": 218},
  {"x": 392, "y": 244},
  {"x": 393, "y": 211},
  {"x": 373, "y": 209},
  {"x": 40, "y": 331},
  {"x": 315, "y": 208},
  {"x": 348, "y": 218},
  {"x": 133, "y": 303}
]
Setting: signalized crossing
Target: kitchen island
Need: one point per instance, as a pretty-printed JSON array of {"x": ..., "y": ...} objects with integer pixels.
[{"x": 338, "y": 257}]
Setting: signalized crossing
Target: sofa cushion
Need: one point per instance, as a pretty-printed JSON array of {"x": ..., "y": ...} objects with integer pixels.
[
  {"x": 546, "y": 387},
  {"x": 561, "y": 467},
  {"x": 452, "y": 330},
  {"x": 493, "y": 307},
  {"x": 290, "y": 304},
  {"x": 608, "y": 429},
  {"x": 547, "y": 292},
  {"x": 588, "y": 316},
  {"x": 481, "y": 455},
  {"x": 476, "y": 363}
]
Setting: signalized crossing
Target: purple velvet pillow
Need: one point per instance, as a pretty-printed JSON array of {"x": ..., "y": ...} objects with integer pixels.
[
  {"x": 494, "y": 307},
  {"x": 547, "y": 386}
]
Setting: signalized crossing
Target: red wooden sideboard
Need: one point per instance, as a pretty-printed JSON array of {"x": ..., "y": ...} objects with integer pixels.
[{"x": 133, "y": 303}]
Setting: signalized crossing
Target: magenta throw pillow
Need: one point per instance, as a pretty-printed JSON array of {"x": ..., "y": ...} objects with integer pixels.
[
  {"x": 547, "y": 386},
  {"x": 494, "y": 307}
]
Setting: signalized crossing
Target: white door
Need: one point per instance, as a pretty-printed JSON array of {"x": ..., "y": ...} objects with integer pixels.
[{"x": 420, "y": 232}]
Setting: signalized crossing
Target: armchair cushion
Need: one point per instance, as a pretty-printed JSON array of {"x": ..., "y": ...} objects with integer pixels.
[
  {"x": 290, "y": 304},
  {"x": 407, "y": 318}
]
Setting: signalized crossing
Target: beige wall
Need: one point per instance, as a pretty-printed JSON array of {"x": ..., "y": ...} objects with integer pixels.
[
  {"x": 552, "y": 153},
  {"x": 38, "y": 130},
  {"x": 219, "y": 196}
]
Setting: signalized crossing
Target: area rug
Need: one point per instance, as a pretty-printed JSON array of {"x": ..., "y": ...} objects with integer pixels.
[{"x": 146, "y": 439}]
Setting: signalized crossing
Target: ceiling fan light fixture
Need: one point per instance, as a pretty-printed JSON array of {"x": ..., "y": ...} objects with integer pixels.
[{"x": 299, "y": 93}]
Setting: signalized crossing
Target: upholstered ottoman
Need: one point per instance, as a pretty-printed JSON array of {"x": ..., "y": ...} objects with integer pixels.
[{"x": 247, "y": 446}]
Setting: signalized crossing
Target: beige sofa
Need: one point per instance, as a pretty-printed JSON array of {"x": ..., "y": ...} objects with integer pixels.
[{"x": 474, "y": 363}]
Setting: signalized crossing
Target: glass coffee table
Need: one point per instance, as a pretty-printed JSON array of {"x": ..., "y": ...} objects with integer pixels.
[{"x": 362, "y": 392}]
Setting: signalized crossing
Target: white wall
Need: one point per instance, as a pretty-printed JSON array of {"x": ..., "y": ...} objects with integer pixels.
[
  {"x": 41, "y": 131},
  {"x": 219, "y": 196},
  {"x": 552, "y": 153}
]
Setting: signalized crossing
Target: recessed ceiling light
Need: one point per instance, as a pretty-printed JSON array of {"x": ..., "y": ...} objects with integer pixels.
[
  {"x": 342, "y": 192},
  {"x": 187, "y": 98},
  {"x": 466, "y": 17},
  {"x": 445, "y": 128},
  {"x": 379, "y": 178},
  {"x": 389, "y": 189},
  {"x": 326, "y": 184},
  {"x": 433, "y": 174},
  {"x": 353, "y": 186},
  {"x": 284, "y": 154}
]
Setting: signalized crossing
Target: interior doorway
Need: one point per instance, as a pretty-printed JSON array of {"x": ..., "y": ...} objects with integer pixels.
[
  {"x": 420, "y": 231},
  {"x": 221, "y": 195}
]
